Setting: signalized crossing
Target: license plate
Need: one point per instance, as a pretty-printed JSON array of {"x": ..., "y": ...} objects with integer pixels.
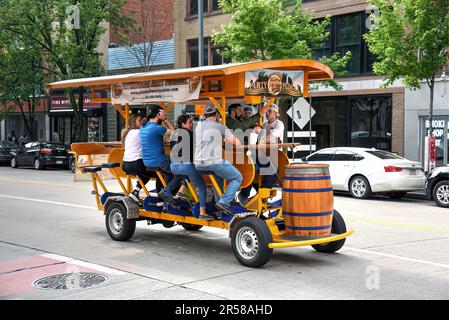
[
  {"x": 59, "y": 162},
  {"x": 412, "y": 172}
]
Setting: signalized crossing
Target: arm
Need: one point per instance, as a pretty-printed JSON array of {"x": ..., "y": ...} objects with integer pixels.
[
  {"x": 250, "y": 122},
  {"x": 229, "y": 137}
]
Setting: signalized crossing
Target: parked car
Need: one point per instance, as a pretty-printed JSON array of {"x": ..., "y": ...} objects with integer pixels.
[
  {"x": 40, "y": 155},
  {"x": 6, "y": 149},
  {"x": 437, "y": 186},
  {"x": 363, "y": 171}
]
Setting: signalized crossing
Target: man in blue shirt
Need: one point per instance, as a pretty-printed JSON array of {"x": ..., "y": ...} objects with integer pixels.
[{"x": 152, "y": 139}]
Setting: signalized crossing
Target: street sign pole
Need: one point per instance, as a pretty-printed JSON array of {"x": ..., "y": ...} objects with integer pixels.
[
  {"x": 200, "y": 34},
  {"x": 310, "y": 125}
]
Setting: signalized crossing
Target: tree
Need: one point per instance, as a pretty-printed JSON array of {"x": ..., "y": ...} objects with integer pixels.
[
  {"x": 68, "y": 34},
  {"x": 410, "y": 42},
  {"x": 146, "y": 31},
  {"x": 21, "y": 78},
  {"x": 274, "y": 29}
]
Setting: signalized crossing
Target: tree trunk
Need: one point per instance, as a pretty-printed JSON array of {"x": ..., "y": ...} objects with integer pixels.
[
  {"x": 24, "y": 117},
  {"x": 77, "y": 106}
]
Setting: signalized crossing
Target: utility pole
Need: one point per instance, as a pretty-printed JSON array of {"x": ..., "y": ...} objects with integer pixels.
[{"x": 200, "y": 34}]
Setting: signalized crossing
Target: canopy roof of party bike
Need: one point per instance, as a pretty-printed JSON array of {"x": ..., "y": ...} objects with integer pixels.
[{"x": 219, "y": 81}]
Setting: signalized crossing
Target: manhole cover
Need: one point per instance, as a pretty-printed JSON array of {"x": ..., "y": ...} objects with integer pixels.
[{"x": 68, "y": 281}]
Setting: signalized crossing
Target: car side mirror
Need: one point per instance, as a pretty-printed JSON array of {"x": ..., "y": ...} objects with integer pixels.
[{"x": 304, "y": 159}]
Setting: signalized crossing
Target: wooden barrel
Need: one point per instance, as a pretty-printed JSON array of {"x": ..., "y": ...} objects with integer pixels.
[{"x": 307, "y": 200}]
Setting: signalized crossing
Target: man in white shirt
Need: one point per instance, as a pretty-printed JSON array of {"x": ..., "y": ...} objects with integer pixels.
[
  {"x": 272, "y": 132},
  {"x": 273, "y": 128}
]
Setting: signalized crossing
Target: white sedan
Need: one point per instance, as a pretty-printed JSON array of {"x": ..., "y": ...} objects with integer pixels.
[{"x": 363, "y": 171}]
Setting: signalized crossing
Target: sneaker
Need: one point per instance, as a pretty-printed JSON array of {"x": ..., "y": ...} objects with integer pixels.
[
  {"x": 243, "y": 201},
  {"x": 133, "y": 197},
  {"x": 167, "y": 198},
  {"x": 224, "y": 208}
]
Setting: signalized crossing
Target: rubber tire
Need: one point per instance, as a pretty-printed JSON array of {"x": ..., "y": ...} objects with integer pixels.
[
  {"x": 15, "y": 162},
  {"x": 264, "y": 236},
  {"x": 367, "y": 193},
  {"x": 338, "y": 227},
  {"x": 191, "y": 227},
  {"x": 40, "y": 167},
  {"x": 72, "y": 165},
  {"x": 129, "y": 226},
  {"x": 434, "y": 193},
  {"x": 396, "y": 195}
]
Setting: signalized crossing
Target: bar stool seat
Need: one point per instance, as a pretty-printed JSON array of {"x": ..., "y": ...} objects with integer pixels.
[
  {"x": 91, "y": 169},
  {"x": 110, "y": 165},
  {"x": 153, "y": 168}
]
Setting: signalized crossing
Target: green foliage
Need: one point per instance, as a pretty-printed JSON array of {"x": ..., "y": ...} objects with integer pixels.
[
  {"x": 410, "y": 41},
  {"x": 274, "y": 29},
  {"x": 68, "y": 52}
]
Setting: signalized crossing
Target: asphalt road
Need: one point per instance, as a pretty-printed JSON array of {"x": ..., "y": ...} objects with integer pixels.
[{"x": 49, "y": 225}]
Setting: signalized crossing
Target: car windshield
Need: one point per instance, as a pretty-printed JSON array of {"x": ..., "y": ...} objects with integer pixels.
[
  {"x": 54, "y": 146},
  {"x": 8, "y": 144},
  {"x": 384, "y": 155}
]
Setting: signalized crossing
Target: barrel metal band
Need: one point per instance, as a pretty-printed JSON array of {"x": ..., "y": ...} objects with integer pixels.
[
  {"x": 296, "y": 171},
  {"x": 308, "y": 228},
  {"x": 307, "y": 178},
  {"x": 307, "y": 190},
  {"x": 315, "y": 214}
]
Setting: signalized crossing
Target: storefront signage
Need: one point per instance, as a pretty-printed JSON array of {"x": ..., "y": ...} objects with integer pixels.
[
  {"x": 274, "y": 83},
  {"x": 176, "y": 90},
  {"x": 59, "y": 103}
]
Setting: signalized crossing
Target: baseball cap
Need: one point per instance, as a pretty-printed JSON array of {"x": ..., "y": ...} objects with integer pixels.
[
  {"x": 275, "y": 108},
  {"x": 210, "y": 109},
  {"x": 153, "y": 111}
]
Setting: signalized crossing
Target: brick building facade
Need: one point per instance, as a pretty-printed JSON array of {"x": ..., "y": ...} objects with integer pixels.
[{"x": 362, "y": 113}]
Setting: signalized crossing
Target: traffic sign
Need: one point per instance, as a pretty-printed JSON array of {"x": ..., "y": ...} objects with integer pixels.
[{"x": 301, "y": 112}]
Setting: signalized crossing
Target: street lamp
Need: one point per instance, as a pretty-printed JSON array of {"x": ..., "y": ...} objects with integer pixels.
[{"x": 200, "y": 34}]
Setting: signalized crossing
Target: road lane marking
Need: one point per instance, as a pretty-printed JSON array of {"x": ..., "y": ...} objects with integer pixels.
[
  {"x": 65, "y": 185},
  {"x": 84, "y": 264},
  {"x": 49, "y": 202},
  {"x": 406, "y": 226},
  {"x": 393, "y": 256}
]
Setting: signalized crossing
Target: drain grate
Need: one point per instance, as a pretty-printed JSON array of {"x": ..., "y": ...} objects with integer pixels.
[{"x": 69, "y": 281}]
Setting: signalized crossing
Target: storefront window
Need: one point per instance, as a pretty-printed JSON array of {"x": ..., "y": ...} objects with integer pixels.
[
  {"x": 371, "y": 122},
  {"x": 351, "y": 122}
]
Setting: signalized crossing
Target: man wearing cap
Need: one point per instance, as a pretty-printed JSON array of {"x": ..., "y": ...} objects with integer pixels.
[
  {"x": 273, "y": 128},
  {"x": 247, "y": 112},
  {"x": 235, "y": 119},
  {"x": 152, "y": 139},
  {"x": 272, "y": 132},
  {"x": 209, "y": 137}
]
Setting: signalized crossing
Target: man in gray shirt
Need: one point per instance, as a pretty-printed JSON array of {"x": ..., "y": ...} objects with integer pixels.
[{"x": 209, "y": 136}]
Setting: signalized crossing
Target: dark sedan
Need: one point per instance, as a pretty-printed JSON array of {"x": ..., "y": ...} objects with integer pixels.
[
  {"x": 437, "y": 186},
  {"x": 40, "y": 155},
  {"x": 6, "y": 149}
]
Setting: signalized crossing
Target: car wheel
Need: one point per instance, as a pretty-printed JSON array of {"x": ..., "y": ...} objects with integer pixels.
[
  {"x": 396, "y": 195},
  {"x": 119, "y": 227},
  {"x": 38, "y": 164},
  {"x": 360, "y": 188},
  {"x": 72, "y": 165},
  {"x": 250, "y": 238},
  {"x": 441, "y": 194},
  {"x": 338, "y": 227},
  {"x": 13, "y": 162}
]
